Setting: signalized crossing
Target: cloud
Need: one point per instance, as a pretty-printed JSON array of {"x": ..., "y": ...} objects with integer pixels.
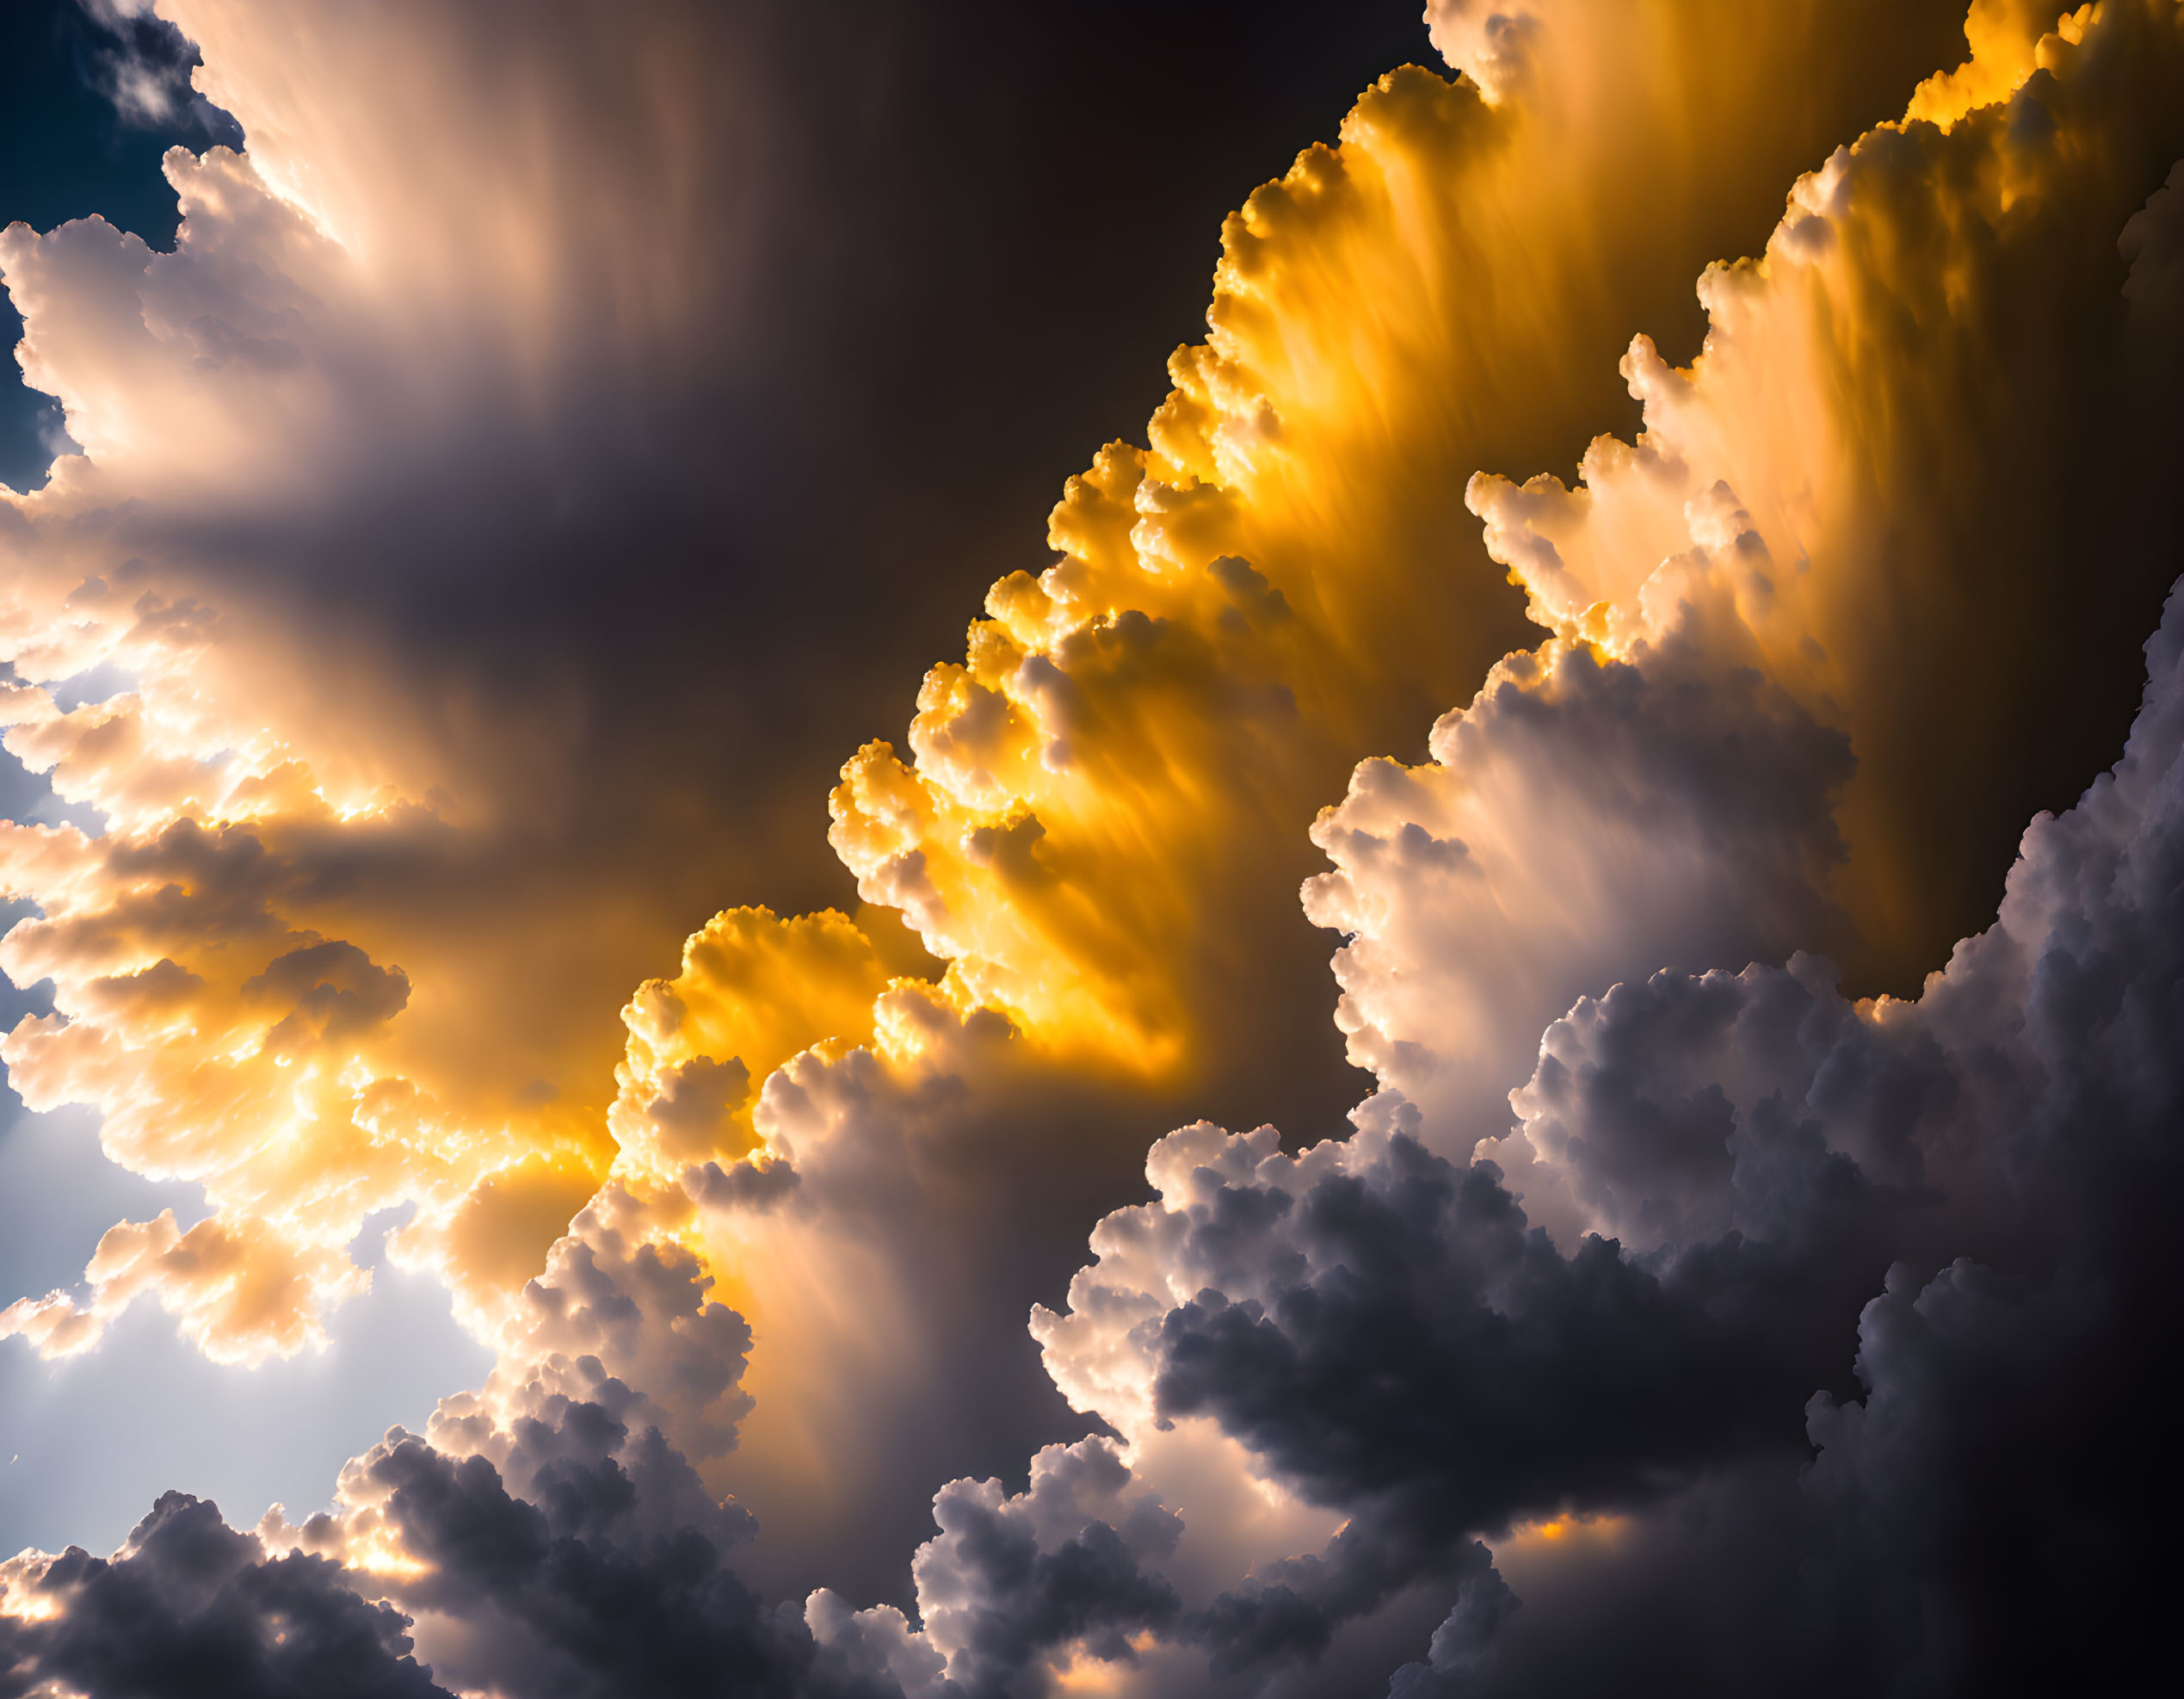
[
  {"x": 1682, "y": 720},
  {"x": 1586, "y": 819},
  {"x": 258, "y": 1058},
  {"x": 1107, "y": 801},
  {"x": 608, "y": 1571},
  {"x": 565, "y": 1582},
  {"x": 1084, "y": 821},
  {"x": 1881, "y": 412},
  {"x": 236, "y": 1297},
  {"x": 1389, "y": 1335},
  {"x": 189, "y": 1606},
  {"x": 1011, "y": 1581},
  {"x": 1730, "y": 1277},
  {"x": 1101, "y": 797}
]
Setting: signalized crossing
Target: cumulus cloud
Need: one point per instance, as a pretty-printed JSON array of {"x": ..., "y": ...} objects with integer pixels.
[
  {"x": 1587, "y": 819},
  {"x": 1013, "y": 1579},
  {"x": 1734, "y": 1281},
  {"x": 1881, "y": 411},
  {"x": 1245, "y": 605},
  {"x": 191, "y": 1605},
  {"x": 569, "y": 1590},
  {"x": 1389, "y": 1333},
  {"x": 1788, "y": 686},
  {"x": 607, "y": 1570},
  {"x": 1103, "y": 805},
  {"x": 1097, "y": 800}
]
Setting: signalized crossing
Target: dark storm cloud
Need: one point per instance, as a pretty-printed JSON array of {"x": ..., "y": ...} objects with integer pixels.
[
  {"x": 608, "y": 1579},
  {"x": 1423, "y": 1360},
  {"x": 335, "y": 989},
  {"x": 1461, "y": 1645},
  {"x": 190, "y": 1608},
  {"x": 1385, "y": 1331},
  {"x": 1013, "y": 1579},
  {"x": 568, "y": 1591}
]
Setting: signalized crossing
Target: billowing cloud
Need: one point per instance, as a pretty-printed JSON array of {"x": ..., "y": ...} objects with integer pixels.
[
  {"x": 1662, "y": 1256},
  {"x": 1385, "y": 1333},
  {"x": 1813, "y": 515},
  {"x": 1105, "y": 800},
  {"x": 1885, "y": 408},
  {"x": 1105, "y": 789},
  {"x": 191, "y": 1605},
  {"x": 1587, "y": 819},
  {"x": 1391, "y": 1334}
]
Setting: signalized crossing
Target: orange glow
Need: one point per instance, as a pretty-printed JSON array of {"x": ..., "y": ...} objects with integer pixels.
[{"x": 1569, "y": 1531}]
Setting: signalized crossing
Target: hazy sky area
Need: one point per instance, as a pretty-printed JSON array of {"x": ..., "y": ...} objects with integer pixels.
[{"x": 962, "y": 850}]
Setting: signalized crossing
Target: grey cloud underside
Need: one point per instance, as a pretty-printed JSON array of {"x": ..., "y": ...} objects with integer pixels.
[
  {"x": 1996, "y": 1162},
  {"x": 191, "y": 1607},
  {"x": 609, "y": 1576},
  {"x": 566, "y": 1592}
]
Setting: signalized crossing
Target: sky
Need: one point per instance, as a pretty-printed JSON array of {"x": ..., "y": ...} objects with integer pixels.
[{"x": 945, "y": 850}]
